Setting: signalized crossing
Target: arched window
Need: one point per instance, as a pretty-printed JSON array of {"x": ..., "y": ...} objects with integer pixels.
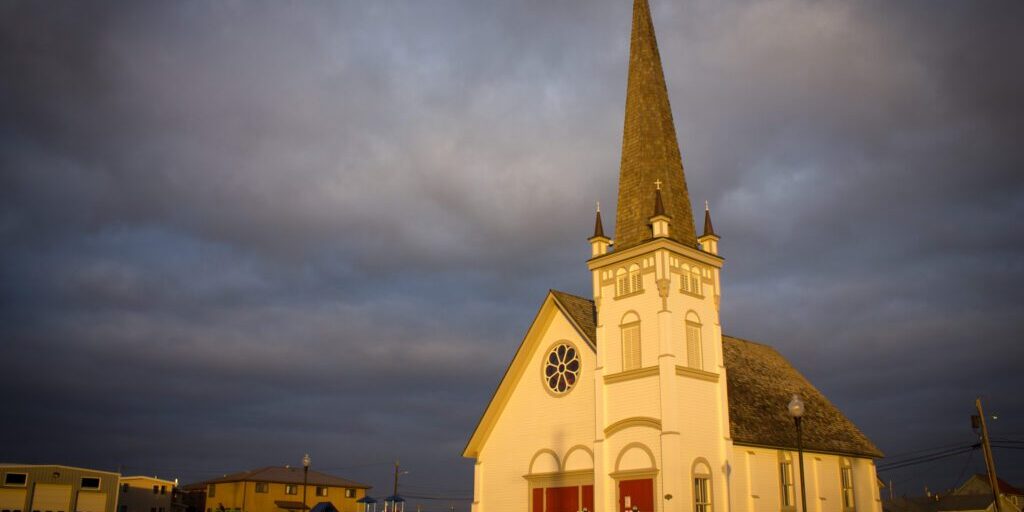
[
  {"x": 846, "y": 479},
  {"x": 636, "y": 284},
  {"x": 787, "y": 490},
  {"x": 690, "y": 280},
  {"x": 628, "y": 281},
  {"x": 701, "y": 486},
  {"x": 694, "y": 354},
  {"x": 630, "y": 328}
]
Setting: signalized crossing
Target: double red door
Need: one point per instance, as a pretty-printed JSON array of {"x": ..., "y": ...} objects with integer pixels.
[
  {"x": 564, "y": 499},
  {"x": 636, "y": 495}
]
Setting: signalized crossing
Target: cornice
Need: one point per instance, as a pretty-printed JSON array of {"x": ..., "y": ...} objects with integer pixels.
[{"x": 651, "y": 246}]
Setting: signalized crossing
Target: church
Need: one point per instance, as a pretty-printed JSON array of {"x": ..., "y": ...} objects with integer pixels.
[{"x": 635, "y": 400}]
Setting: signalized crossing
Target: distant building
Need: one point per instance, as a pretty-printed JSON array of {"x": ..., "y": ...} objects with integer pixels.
[
  {"x": 974, "y": 495},
  {"x": 53, "y": 488},
  {"x": 978, "y": 486},
  {"x": 278, "y": 489},
  {"x": 147, "y": 494}
]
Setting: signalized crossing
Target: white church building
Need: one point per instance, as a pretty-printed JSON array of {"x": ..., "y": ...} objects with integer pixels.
[{"x": 636, "y": 400}]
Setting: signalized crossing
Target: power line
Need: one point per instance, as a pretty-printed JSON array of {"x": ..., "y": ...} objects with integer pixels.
[{"x": 926, "y": 458}]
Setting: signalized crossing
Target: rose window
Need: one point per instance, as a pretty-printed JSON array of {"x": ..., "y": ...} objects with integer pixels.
[{"x": 562, "y": 368}]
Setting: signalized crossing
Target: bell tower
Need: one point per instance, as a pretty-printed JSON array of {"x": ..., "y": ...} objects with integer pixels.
[{"x": 661, "y": 404}]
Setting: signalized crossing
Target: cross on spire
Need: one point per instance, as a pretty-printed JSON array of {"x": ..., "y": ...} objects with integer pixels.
[{"x": 657, "y": 184}]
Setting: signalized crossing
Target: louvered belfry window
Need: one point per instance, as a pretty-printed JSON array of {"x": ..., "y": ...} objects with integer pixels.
[
  {"x": 631, "y": 346},
  {"x": 693, "y": 352}
]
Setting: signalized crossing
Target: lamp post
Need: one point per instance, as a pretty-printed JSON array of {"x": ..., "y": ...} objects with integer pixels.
[
  {"x": 305, "y": 478},
  {"x": 796, "y": 410}
]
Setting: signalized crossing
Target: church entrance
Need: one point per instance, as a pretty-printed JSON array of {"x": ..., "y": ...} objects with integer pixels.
[
  {"x": 563, "y": 499},
  {"x": 636, "y": 495}
]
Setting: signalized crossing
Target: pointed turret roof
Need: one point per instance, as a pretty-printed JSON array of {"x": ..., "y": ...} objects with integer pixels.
[
  {"x": 708, "y": 228},
  {"x": 650, "y": 151},
  {"x": 598, "y": 226},
  {"x": 659, "y": 205}
]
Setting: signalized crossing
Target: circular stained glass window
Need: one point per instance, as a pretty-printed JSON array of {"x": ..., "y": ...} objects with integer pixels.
[{"x": 562, "y": 368}]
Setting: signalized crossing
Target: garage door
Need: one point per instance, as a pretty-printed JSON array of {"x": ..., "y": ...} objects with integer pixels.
[
  {"x": 51, "y": 498},
  {"x": 91, "y": 501},
  {"x": 12, "y": 499}
]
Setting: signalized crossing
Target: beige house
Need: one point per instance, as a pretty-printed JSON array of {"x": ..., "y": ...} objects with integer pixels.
[
  {"x": 52, "y": 488},
  {"x": 279, "y": 489},
  {"x": 635, "y": 400},
  {"x": 146, "y": 494}
]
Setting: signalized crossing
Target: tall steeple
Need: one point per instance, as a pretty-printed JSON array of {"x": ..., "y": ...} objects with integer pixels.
[{"x": 650, "y": 151}]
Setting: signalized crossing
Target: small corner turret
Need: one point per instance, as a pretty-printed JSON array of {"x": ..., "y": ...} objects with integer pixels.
[
  {"x": 709, "y": 240},
  {"x": 599, "y": 243},
  {"x": 659, "y": 221}
]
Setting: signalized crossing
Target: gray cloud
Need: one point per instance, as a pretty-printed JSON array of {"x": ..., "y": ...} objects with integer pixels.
[{"x": 235, "y": 233}]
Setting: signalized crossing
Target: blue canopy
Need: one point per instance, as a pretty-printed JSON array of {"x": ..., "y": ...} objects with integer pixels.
[
  {"x": 395, "y": 498},
  {"x": 324, "y": 506},
  {"x": 366, "y": 499}
]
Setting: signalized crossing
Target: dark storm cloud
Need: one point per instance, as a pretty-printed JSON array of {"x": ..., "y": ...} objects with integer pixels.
[{"x": 234, "y": 233}]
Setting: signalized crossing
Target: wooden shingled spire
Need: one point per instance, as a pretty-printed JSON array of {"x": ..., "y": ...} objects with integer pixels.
[{"x": 650, "y": 151}]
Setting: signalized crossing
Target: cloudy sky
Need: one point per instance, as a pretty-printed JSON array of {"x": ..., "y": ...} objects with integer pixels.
[{"x": 236, "y": 232}]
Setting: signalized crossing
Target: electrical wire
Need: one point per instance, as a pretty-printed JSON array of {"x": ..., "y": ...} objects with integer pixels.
[{"x": 926, "y": 458}]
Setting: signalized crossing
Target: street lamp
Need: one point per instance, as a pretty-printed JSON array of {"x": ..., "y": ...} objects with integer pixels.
[
  {"x": 305, "y": 477},
  {"x": 796, "y": 410}
]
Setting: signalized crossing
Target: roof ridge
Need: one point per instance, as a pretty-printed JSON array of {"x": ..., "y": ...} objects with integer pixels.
[{"x": 570, "y": 294}]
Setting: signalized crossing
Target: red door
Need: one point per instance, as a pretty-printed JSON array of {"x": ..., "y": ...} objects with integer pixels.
[
  {"x": 636, "y": 495},
  {"x": 562, "y": 499},
  {"x": 588, "y": 498}
]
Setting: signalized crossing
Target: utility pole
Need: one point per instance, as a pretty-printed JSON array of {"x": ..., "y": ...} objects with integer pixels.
[
  {"x": 990, "y": 464},
  {"x": 395, "y": 493}
]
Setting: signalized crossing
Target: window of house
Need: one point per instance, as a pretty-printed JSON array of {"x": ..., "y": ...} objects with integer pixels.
[
  {"x": 701, "y": 494},
  {"x": 291, "y": 489},
  {"x": 163, "y": 489},
  {"x": 694, "y": 356},
  {"x": 90, "y": 482},
  {"x": 262, "y": 487},
  {"x": 16, "y": 479},
  {"x": 787, "y": 491},
  {"x": 846, "y": 477},
  {"x": 631, "y": 343},
  {"x": 350, "y": 493},
  {"x": 124, "y": 488},
  {"x": 211, "y": 491},
  {"x": 321, "y": 490},
  {"x": 156, "y": 489}
]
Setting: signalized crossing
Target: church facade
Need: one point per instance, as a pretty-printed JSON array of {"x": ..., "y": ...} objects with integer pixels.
[{"x": 635, "y": 400}]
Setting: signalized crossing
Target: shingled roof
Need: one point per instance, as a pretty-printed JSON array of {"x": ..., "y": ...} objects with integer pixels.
[
  {"x": 650, "y": 150},
  {"x": 281, "y": 475},
  {"x": 760, "y": 384}
]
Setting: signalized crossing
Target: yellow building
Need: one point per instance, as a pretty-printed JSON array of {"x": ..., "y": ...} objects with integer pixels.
[
  {"x": 633, "y": 399},
  {"x": 52, "y": 488},
  {"x": 146, "y": 494},
  {"x": 278, "y": 489}
]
